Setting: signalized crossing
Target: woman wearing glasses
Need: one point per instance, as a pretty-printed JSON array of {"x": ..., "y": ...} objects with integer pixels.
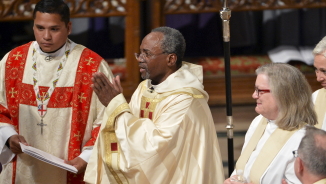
[
  {"x": 318, "y": 96},
  {"x": 283, "y": 98}
]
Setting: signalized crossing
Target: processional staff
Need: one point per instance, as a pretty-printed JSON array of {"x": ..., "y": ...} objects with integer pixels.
[{"x": 225, "y": 14}]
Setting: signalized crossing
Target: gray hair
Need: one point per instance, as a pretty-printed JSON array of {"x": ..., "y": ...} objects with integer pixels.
[
  {"x": 312, "y": 151},
  {"x": 173, "y": 42},
  {"x": 292, "y": 93},
  {"x": 320, "y": 48}
]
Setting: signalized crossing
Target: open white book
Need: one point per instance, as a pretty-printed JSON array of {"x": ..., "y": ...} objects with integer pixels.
[
  {"x": 284, "y": 54},
  {"x": 48, "y": 158}
]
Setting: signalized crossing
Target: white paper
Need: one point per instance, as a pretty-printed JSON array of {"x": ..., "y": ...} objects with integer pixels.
[{"x": 48, "y": 158}]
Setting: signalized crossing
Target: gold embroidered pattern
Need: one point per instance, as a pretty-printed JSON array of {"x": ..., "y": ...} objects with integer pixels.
[
  {"x": 14, "y": 72},
  {"x": 89, "y": 61},
  {"x": 112, "y": 147},
  {"x": 17, "y": 55},
  {"x": 188, "y": 93},
  {"x": 13, "y": 92},
  {"x": 148, "y": 106},
  {"x": 81, "y": 97},
  {"x": 150, "y": 100}
]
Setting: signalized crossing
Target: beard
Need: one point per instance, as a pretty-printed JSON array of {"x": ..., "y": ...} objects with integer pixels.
[{"x": 145, "y": 75}]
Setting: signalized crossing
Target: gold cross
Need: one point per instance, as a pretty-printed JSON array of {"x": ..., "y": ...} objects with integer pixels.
[
  {"x": 17, "y": 55},
  {"x": 13, "y": 92},
  {"x": 80, "y": 69},
  {"x": 77, "y": 135},
  {"x": 81, "y": 98},
  {"x": 89, "y": 61}
]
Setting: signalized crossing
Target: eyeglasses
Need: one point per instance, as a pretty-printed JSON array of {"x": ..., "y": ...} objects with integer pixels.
[
  {"x": 261, "y": 91},
  {"x": 295, "y": 153},
  {"x": 143, "y": 56},
  {"x": 320, "y": 70}
]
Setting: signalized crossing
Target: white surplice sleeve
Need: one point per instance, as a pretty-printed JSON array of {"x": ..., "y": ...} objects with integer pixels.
[{"x": 6, "y": 155}]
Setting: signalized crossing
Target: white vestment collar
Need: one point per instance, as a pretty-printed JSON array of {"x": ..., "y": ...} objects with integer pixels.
[
  {"x": 188, "y": 76},
  {"x": 57, "y": 53}
]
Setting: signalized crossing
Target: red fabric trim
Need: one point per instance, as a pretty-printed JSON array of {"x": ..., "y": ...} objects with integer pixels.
[
  {"x": 14, "y": 165},
  {"x": 61, "y": 97},
  {"x": 81, "y": 99},
  {"x": 92, "y": 140},
  {"x": 5, "y": 115},
  {"x": 13, "y": 79}
]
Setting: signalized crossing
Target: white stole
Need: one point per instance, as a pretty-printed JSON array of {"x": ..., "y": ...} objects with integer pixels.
[
  {"x": 268, "y": 152},
  {"x": 320, "y": 107}
]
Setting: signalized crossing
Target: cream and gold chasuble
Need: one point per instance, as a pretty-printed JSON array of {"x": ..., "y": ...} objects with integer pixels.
[{"x": 164, "y": 135}]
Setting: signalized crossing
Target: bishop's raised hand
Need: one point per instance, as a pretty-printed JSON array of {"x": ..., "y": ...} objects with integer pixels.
[{"x": 104, "y": 89}]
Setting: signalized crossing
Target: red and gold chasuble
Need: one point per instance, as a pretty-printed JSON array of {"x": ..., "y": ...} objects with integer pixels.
[{"x": 77, "y": 97}]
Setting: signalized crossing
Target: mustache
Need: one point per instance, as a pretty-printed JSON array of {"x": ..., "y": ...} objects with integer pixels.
[{"x": 141, "y": 65}]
